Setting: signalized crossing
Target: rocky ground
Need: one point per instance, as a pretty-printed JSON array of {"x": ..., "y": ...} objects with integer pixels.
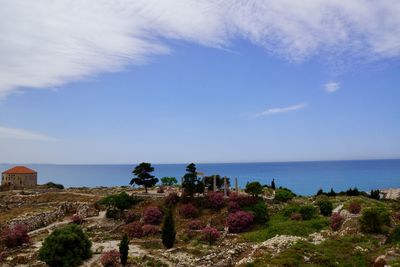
[{"x": 45, "y": 210}]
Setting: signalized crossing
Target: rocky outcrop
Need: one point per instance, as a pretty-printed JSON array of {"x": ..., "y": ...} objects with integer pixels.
[{"x": 39, "y": 220}]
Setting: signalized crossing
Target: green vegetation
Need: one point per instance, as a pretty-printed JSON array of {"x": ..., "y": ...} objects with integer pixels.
[
  {"x": 123, "y": 249},
  {"x": 191, "y": 183},
  {"x": 53, "y": 185},
  {"x": 67, "y": 246},
  {"x": 143, "y": 176},
  {"x": 209, "y": 181},
  {"x": 169, "y": 181},
  {"x": 259, "y": 211},
  {"x": 117, "y": 203},
  {"x": 325, "y": 206},
  {"x": 284, "y": 195},
  {"x": 168, "y": 232},
  {"x": 254, "y": 189},
  {"x": 373, "y": 220}
]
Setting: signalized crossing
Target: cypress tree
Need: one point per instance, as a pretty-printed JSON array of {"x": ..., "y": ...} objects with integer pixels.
[
  {"x": 168, "y": 229},
  {"x": 123, "y": 249},
  {"x": 273, "y": 184}
]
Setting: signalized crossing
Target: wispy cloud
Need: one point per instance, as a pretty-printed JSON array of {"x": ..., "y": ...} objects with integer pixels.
[
  {"x": 46, "y": 43},
  {"x": 274, "y": 111},
  {"x": 331, "y": 87},
  {"x": 21, "y": 134}
]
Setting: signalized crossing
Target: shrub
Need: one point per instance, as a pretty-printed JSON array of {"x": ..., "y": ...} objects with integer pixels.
[
  {"x": 64, "y": 247},
  {"x": 372, "y": 220},
  {"x": 110, "y": 258},
  {"x": 123, "y": 249},
  {"x": 336, "y": 221},
  {"x": 168, "y": 181},
  {"x": 210, "y": 234},
  {"x": 290, "y": 209},
  {"x": 259, "y": 211},
  {"x": 171, "y": 199},
  {"x": 394, "y": 236},
  {"x": 149, "y": 229},
  {"x": 112, "y": 213},
  {"x": 152, "y": 215},
  {"x": 254, "y": 189},
  {"x": 239, "y": 221},
  {"x": 188, "y": 211},
  {"x": 15, "y": 236},
  {"x": 53, "y": 185},
  {"x": 76, "y": 219},
  {"x": 168, "y": 232},
  {"x": 354, "y": 208},
  {"x": 120, "y": 201},
  {"x": 243, "y": 200},
  {"x": 296, "y": 217},
  {"x": 308, "y": 212},
  {"x": 195, "y": 225},
  {"x": 131, "y": 216},
  {"x": 215, "y": 200},
  {"x": 283, "y": 195},
  {"x": 134, "y": 229},
  {"x": 325, "y": 207},
  {"x": 233, "y": 206}
]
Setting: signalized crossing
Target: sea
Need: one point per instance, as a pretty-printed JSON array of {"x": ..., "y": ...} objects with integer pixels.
[{"x": 304, "y": 178}]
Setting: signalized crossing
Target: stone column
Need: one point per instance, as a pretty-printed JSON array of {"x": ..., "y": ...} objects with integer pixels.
[
  {"x": 214, "y": 183},
  {"x": 236, "y": 186},
  {"x": 225, "y": 187}
]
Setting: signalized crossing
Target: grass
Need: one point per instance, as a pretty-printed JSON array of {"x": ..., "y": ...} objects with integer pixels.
[{"x": 280, "y": 225}]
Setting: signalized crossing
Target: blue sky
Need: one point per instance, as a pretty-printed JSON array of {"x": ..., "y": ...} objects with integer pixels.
[{"x": 177, "y": 94}]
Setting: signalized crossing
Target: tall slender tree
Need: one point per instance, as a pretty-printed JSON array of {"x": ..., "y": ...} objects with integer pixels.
[
  {"x": 191, "y": 183},
  {"x": 123, "y": 249},
  {"x": 168, "y": 232},
  {"x": 143, "y": 176},
  {"x": 273, "y": 184}
]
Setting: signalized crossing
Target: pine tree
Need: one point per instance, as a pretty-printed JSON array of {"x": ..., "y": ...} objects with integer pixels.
[
  {"x": 168, "y": 230},
  {"x": 143, "y": 176},
  {"x": 191, "y": 184},
  {"x": 123, "y": 249}
]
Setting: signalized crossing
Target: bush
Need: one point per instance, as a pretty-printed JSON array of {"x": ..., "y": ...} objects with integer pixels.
[
  {"x": 195, "y": 225},
  {"x": 372, "y": 220},
  {"x": 76, "y": 219},
  {"x": 15, "y": 236},
  {"x": 296, "y": 217},
  {"x": 53, "y": 185},
  {"x": 354, "y": 208},
  {"x": 233, "y": 206},
  {"x": 210, "y": 234},
  {"x": 112, "y": 213},
  {"x": 254, "y": 189},
  {"x": 131, "y": 216},
  {"x": 243, "y": 200},
  {"x": 134, "y": 229},
  {"x": 168, "y": 232},
  {"x": 325, "y": 207},
  {"x": 188, "y": 211},
  {"x": 283, "y": 195},
  {"x": 336, "y": 221},
  {"x": 123, "y": 249},
  {"x": 171, "y": 199},
  {"x": 308, "y": 212},
  {"x": 259, "y": 211},
  {"x": 215, "y": 200},
  {"x": 149, "y": 229},
  {"x": 64, "y": 247},
  {"x": 121, "y": 201},
  {"x": 169, "y": 181},
  {"x": 152, "y": 215},
  {"x": 240, "y": 221},
  {"x": 394, "y": 236},
  {"x": 110, "y": 258},
  {"x": 290, "y": 209}
]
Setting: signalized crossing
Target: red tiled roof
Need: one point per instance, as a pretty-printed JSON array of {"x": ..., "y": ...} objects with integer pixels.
[{"x": 20, "y": 170}]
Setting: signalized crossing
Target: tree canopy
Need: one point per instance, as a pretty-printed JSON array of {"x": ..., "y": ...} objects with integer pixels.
[
  {"x": 143, "y": 176},
  {"x": 191, "y": 183}
]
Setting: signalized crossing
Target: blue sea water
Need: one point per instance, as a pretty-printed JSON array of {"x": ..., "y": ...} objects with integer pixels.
[{"x": 303, "y": 178}]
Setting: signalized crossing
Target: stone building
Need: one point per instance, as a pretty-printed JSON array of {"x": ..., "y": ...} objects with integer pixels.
[{"x": 19, "y": 177}]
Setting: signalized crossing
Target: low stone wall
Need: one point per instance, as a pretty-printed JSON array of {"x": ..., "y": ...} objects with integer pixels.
[{"x": 45, "y": 218}]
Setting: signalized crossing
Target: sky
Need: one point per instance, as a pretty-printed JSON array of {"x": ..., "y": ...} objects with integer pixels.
[{"x": 112, "y": 81}]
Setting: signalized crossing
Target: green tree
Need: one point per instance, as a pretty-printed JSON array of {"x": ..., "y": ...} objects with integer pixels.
[
  {"x": 273, "y": 184},
  {"x": 254, "y": 189},
  {"x": 143, "y": 176},
  {"x": 325, "y": 206},
  {"x": 123, "y": 249},
  {"x": 209, "y": 182},
  {"x": 284, "y": 195},
  {"x": 191, "y": 183},
  {"x": 169, "y": 181},
  {"x": 64, "y": 247},
  {"x": 168, "y": 232}
]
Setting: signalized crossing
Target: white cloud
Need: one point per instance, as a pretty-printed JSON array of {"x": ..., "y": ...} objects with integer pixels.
[
  {"x": 21, "y": 134},
  {"x": 331, "y": 87},
  {"x": 273, "y": 111},
  {"x": 46, "y": 43}
]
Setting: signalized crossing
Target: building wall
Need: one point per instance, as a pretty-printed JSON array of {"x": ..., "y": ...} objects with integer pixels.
[{"x": 18, "y": 181}]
